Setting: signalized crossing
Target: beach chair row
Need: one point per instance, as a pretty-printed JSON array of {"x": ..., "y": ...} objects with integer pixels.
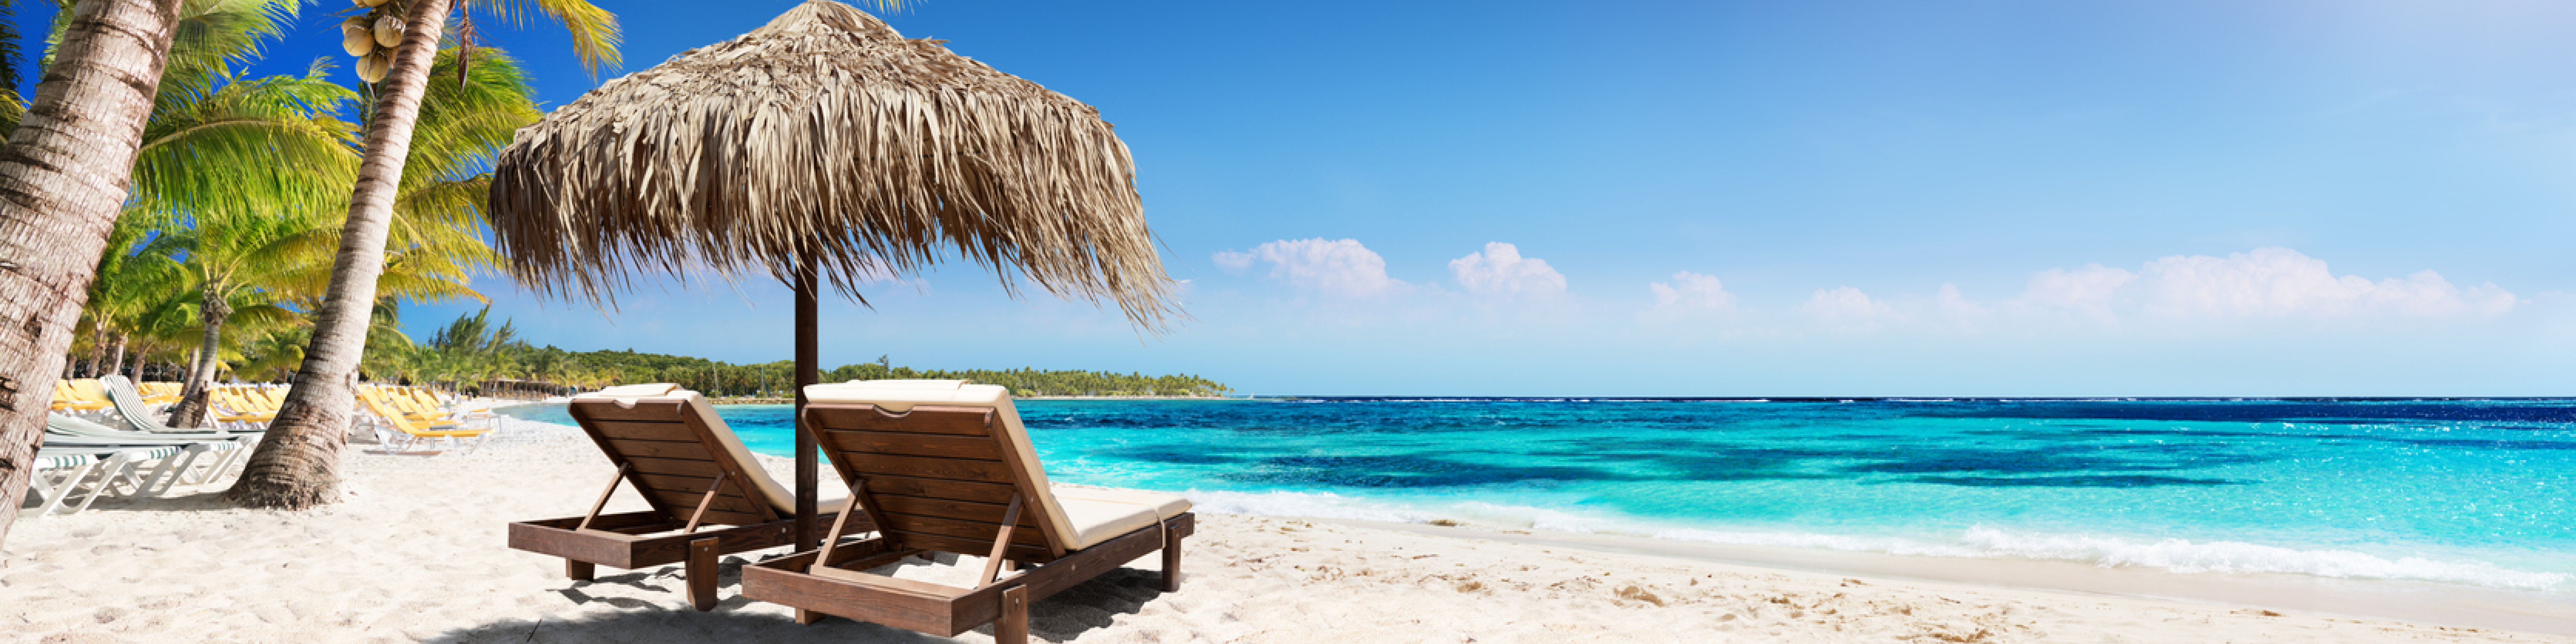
[
  {"x": 92, "y": 394},
  {"x": 81, "y": 461},
  {"x": 105, "y": 460},
  {"x": 933, "y": 466},
  {"x": 405, "y": 418}
]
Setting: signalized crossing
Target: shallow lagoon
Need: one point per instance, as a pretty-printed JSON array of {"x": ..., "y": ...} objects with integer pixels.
[{"x": 2459, "y": 491}]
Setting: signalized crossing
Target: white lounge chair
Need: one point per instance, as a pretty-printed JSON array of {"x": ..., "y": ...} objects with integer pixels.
[
  {"x": 62, "y": 471},
  {"x": 230, "y": 450}
]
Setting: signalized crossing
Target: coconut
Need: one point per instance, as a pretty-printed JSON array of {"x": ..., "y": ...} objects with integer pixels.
[
  {"x": 389, "y": 31},
  {"x": 372, "y": 68},
  {"x": 356, "y": 40}
]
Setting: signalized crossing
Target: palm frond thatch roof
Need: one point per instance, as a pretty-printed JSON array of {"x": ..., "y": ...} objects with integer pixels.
[{"x": 826, "y": 132}]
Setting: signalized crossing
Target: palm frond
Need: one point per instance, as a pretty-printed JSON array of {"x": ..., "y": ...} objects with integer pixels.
[{"x": 594, "y": 31}]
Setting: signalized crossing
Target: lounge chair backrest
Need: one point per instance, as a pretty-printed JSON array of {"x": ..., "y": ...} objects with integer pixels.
[
  {"x": 128, "y": 405},
  {"x": 940, "y": 459},
  {"x": 274, "y": 397},
  {"x": 240, "y": 401},
  {"x": 373, "y": 398},
  {"x": 88, "y": 389},
  {"x": 673, "y": 447}
]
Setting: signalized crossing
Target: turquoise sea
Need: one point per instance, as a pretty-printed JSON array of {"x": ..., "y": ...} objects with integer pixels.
[{"x": 2477, "y": 492}]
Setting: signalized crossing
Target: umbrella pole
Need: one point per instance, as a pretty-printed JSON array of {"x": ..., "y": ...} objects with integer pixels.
[{"x": 807, "y": 347}]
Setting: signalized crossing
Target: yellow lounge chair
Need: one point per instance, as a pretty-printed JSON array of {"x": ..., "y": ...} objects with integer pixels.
[
  {"x": 398, "y": 427},
  {"x": 273, "y": 397},
  {"x": 232, "y": 408},
  {"x": 424, "y": 404},
  {"x": 68, "y": 399},
  {"x": 159, "y": 393},
  {"x": 89, "y": 390}
]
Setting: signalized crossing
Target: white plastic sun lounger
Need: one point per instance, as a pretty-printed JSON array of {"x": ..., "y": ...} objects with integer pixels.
[
  {"x": 130, "y": 408},
  {"x": 230, "y": 450},
  {"x": 61, "y": 471}
]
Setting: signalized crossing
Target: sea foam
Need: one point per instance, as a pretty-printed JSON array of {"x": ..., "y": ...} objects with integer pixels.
[{"x": 2172, "y": 555}]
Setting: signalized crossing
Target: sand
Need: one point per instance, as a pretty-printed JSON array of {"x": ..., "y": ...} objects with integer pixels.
[{"x": 416, "y": 553}]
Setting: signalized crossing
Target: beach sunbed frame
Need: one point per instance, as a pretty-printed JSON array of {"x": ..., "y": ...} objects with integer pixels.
[
  {"x": 942, "y": 479},
  {"x": 667, "y": 452}
]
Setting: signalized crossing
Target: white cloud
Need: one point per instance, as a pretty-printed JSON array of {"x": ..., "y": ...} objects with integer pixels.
[
  {"x": 1848, "y": 308},
  {"x": 1500, "y": 270},
  {"x": 2090, "y": 290},
  {"x": 1689, "y": 294},
  {"x": 2266, "y": 283},
  {"x": 1332, "y": 267},
  {"x": 1234, "y": 263},
  {"x": 1956, "y": 308},
  {"x": 1693, "y": 291}
]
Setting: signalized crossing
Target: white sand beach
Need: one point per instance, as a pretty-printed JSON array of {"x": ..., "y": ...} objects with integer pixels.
[{"x": 416, "y": 554}]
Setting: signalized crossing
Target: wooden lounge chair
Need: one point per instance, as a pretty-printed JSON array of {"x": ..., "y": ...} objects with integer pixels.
[
  {"x": 669, "y": 445},
  {"x": 944, "y": 466}
]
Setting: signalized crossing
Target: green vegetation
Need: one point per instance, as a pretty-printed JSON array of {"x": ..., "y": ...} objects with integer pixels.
[{"x": 473, "y": 349}]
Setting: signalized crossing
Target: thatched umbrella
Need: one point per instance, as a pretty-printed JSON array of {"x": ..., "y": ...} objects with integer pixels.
[{"x": 825, "y": 147}]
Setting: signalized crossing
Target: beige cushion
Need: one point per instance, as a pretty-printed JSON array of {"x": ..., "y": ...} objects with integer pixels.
[
  {"x": 778, "y": 496},
  {"x": 1083, "y": 516},
  {"x": 1101, "y": 514},
  {"x": 633, "y": 391}
]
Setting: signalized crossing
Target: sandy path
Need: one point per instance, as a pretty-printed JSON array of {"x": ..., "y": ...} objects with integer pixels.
[{"x": 416, "y": 554}]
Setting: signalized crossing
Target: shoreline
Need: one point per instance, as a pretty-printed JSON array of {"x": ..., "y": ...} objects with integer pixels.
[
  {"x": 415, "y": 552},
  {"x": 2422, "y": 602},
  {"x": 2439, "y": 602},
  {"x": 790, "y": 401}
]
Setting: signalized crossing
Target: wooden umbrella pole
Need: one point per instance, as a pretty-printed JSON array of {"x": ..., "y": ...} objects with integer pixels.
[{"x": 808, "y": 305}]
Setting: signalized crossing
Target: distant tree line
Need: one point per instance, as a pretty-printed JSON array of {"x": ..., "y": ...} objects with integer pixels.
[
  {"x": 474, "y": 349},
  {"x": 1030, "y": 381}
]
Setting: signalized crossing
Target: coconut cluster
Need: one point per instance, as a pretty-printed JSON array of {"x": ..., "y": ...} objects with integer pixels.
[{"x": 371, "y": 37}]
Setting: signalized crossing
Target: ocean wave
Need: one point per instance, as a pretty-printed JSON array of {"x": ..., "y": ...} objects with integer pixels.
[
  {"x": 2182, "y": 555},
  {"x": 2172, "y": 555}
]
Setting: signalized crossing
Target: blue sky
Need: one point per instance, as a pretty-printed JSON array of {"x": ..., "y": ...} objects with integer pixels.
[{"x": 2162, "y": 197}]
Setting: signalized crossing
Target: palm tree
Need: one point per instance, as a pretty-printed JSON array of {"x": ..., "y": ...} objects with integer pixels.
[
  {"x": 233, "y": 261},
  {"x": 426, "y": 206},
  {"x": 63, "y": 181},
  {"x": 211, "y": 153},
  {"x": 131, "y": 278}
]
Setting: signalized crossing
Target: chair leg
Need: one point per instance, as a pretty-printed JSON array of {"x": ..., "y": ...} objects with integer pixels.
[
  {"x": 1172, "y": 565},
  {"x": 808, "y": 617},
  {"x": 55, "y": 489},
  {"x": 107, "y": 474},
  {"x": 1012, "y": 627},
  {"x": 579, "y": 570},
  {"x": 701, "y": 573}
]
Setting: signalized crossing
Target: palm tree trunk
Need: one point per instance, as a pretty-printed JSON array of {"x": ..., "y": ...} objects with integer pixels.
[
  {"x": 298, "y": 465},
  {"x": 118, "y": 359},
  {"x": 62, "y": 179},
  {"x": 192, "y": 407},
  {"x": 97, "y": 348}
]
